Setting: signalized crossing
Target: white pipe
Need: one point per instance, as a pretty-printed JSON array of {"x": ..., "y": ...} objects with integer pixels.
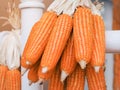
[
  {"x": 31, "y": 11},
  {"x": 113, "y": 41}
]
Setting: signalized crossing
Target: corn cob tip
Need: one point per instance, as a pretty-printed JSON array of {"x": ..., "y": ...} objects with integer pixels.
[
  {"x": 96, "y": 68},
  {"x": 63, "y": 76},
  {"x": 40, "y": 81},
  {"x": 44, "y": 69},
  {"x": 23, "y": 70},
  {"x": 30, "y": 82},
  {"x": 28, "y": 63},
  {"x": 82, "y": 64}
]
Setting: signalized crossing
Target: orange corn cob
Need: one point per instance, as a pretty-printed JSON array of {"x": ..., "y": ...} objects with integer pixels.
[
  {"x": 55, "y": 83},
  {"x": 33, "y": 73},
  {"x": 25, "y": 67},
  {"x": 68, "y": 62},
  {"x": 3, "y": 71},
  {"x": 44, "y": 76},
  {"x": 57, "y": 42},
  {"x": 98, "y": 57},
  {"x": 76, "y": 80},
  {"x": 23, "y": 60},
  {"x": 96, "y": 81},
  {"x": 13, "y": 80},
  {"x": 38, "y": 38},
  {"x": 83, "y": 36}
]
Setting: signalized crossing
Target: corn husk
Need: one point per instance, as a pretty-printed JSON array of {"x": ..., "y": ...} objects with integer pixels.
[{"x": 10, "y": 47}]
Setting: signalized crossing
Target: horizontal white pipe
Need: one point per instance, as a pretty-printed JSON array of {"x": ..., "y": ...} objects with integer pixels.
[
  {"x": 112, "y": 41},
  {"x": 112, "y": 37}
]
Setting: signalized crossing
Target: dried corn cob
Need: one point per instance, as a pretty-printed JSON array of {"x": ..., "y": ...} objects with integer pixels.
[
  {"x": 57, "y": 42},
  {"x": 58, "y": 37},
  {"x": 68, "y": 62},
  {"x": 83, "y": 36},
  {"x": 76, "y": 80},
  {"x": 13, "y": 80},
  {"x": 44, "y": 76},
  {"x": 39, "y": 35},
  {"x": 96, "y": 81},
  {"x": 38, "y": 38},
  {"x": 55, "y": 83},
  {"x": 3, "y": 71},
  {"x": 98, "y": 57},
  {"x": 33, "y": 73}
]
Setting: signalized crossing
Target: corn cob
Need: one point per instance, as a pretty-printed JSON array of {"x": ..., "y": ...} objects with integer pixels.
[
  {"x": 40, "y": 33},
  {"x": 98, "y": 57},
  {"x": 3, "y": 71},
  {"x": 83, "y": 36},
  {"x": 33, "y": 73},
  {"x": 96, "y": 81},
  {"x": 76, "y": 80},
  {"x": 44, "y": 76},
  {"x": 57, "y": 42},
  {"x": 68, "y": 62},
  {"x": 13, "y": 80},
  {"x": 55, "y": 83},
  {"x": 38, "y": 38}
]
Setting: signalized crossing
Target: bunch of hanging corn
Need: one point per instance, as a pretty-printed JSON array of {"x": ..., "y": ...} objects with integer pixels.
[
  {"x": 10, "y": 77},
  {"x": 70, "y": 32}
]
